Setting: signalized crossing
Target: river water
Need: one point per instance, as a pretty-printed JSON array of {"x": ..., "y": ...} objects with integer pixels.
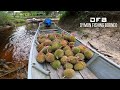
[{"x": 15, "y": 44}]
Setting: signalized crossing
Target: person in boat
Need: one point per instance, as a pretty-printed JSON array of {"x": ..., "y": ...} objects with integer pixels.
[{"x": 47, "y": 22}]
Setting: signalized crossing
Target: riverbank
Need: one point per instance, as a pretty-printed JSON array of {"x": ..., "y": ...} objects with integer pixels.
[
  {"x": 104, "y": 40},
  {"x": 7, "y": 27},
  {"x": 15, "y": 47}
]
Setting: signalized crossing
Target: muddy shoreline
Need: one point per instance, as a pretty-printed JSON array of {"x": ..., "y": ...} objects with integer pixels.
[
  {"x": 3, "y": 28},
  {"x": 104, "y": 40}
]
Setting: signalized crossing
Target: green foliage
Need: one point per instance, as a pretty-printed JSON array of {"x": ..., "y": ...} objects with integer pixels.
[
  {"x": 19, "y": 20},
  {"x": 82, "y": 15},
  {"x": 47, "y": 12},
  {"x": 64, "y": 14},
  {"x": 32, "y": 13},
  {"x": 4, "y": 18}
]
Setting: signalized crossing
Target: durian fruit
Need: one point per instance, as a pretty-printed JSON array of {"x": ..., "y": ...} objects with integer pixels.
[
  {"x": 72, "y": 59},
  {"x": 88, "y": 54},
  {"x": 68, "y": 53},
  {"x": 80, "y": 56},
  {"x": 47, "y": 42},
  {"x": 58, "y": 35},
  {"x": 82, "y": 48},
  {"x": 64, "y": 60},
  {"x": 49, "y": 49},
  {"x": 66, "y": 37},
  {"x": 71, "y": 44},
  {"x": 56, "y": 64},
  {"x": 79, "y": 66},
  {"x": 63, "y": 43},
  {"x": 45, "y": 49},
  {"x": 51, "y": 37},
  {"x": 75, "y": 50},
  {"x": 66, "y": 48},
  {"x": 68, "y": 66},
  {"x": 40, "y": 57},
  {"x": 59, "y": 53},
  {"x": 68, "y": 73},
  {"x": 72, "y": 39},
  {"x": 49, "y": 57},
  {"x": 56, "y": 40},
  {"x": 55, "y": 46},
  {"x": 41, "y": 40},
  {"x": 42, "y": 36},
  {"x": 40, "y": 47}
]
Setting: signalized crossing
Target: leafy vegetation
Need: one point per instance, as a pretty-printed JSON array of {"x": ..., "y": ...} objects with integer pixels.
[
  {"x": 18, "y": 18},
  {"x": 63, "y": 15},
  {"x": 31, "y": 14},
  {"x": 5, "y": 18}
]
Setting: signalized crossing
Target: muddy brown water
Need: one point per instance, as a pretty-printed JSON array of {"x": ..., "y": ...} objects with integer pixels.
[{"x": 15, "y": 44}]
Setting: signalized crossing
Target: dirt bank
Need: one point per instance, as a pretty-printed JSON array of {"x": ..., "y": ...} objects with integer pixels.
[
  {"x": 7, "y": 27},
  {"x": 104, "y": 40}
]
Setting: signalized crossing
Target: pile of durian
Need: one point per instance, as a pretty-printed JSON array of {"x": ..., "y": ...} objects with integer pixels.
[{"x": 60, "y": 50}]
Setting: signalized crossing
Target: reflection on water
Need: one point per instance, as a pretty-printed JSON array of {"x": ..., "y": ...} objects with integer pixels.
[{"x": 15, "y": 44}]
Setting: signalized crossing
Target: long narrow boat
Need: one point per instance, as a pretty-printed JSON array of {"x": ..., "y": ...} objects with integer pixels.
[{"x": 98, "y": 67}]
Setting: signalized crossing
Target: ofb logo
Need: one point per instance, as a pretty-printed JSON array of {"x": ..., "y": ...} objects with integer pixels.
[
  {"x": 97, "y": 19},
  {"x": 98, "y": 22}
]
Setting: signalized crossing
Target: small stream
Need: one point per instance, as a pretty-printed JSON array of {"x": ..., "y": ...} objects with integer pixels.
[{"x": 15, "y": 43}]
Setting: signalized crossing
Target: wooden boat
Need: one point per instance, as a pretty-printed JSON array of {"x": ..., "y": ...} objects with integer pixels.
[{"x": 98, "y": 67}]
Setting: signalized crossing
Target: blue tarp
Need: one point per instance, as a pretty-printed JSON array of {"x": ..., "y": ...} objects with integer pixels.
[{"x": 47, "y": 22}]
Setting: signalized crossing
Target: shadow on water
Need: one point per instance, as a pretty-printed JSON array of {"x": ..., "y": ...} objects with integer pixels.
[{"x": 15, "y": 44}]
